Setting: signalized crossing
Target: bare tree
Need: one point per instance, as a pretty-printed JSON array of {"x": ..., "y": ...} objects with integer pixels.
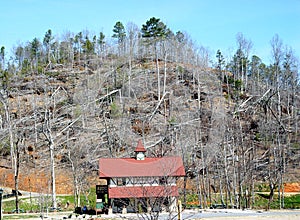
[
  {"x": 245, "y": 46},
  {"x": 133, "y": 32}
]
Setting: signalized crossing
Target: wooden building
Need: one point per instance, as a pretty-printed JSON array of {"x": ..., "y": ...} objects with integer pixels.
[{"x": 140, "y": 178}]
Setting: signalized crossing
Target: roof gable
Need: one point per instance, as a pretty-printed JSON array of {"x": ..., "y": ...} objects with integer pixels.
[{"x": 130, "y": 167}]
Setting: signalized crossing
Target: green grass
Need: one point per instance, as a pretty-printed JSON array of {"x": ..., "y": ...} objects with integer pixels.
[
  {"x": 38, "y": 204},
  {"x": 21, "y": 216},
  {"x": 290, "y": 202}
]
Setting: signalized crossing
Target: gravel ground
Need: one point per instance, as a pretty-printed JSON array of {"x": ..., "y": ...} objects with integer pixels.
[{"x": 211, "y": 214}]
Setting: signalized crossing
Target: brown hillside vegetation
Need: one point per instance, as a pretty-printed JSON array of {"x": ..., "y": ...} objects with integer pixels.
[
  {"x": 144, "y": 116},
  {"x": 292, "y": 187},
  {"x": 39, "y": 182},
  {"x": 234, "y": 124}
]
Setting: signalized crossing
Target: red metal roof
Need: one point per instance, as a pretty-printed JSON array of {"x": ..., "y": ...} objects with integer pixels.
[
  {"x": 140, "y": 147},
  {"x": 142, "y": 191},
  {"x": 130, "y": 167}
]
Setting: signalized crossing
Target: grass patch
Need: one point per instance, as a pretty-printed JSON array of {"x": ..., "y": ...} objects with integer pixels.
[
  {"x": 29, "y": 216},
  {"x": 290, "y": 202},
  {"x": 42, "y": 203}
]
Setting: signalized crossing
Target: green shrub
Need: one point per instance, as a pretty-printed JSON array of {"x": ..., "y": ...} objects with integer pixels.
[{"x": 114, "y": 110}]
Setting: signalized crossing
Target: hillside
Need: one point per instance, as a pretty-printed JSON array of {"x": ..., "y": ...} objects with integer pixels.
[
  {"x": 115, "y": 121},
  {"x": 67, "y": 102},
  {"x": 105, "y": 121}
]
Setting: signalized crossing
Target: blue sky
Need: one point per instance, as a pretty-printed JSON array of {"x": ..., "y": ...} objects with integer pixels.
[{"x": 211, "y": 23}]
